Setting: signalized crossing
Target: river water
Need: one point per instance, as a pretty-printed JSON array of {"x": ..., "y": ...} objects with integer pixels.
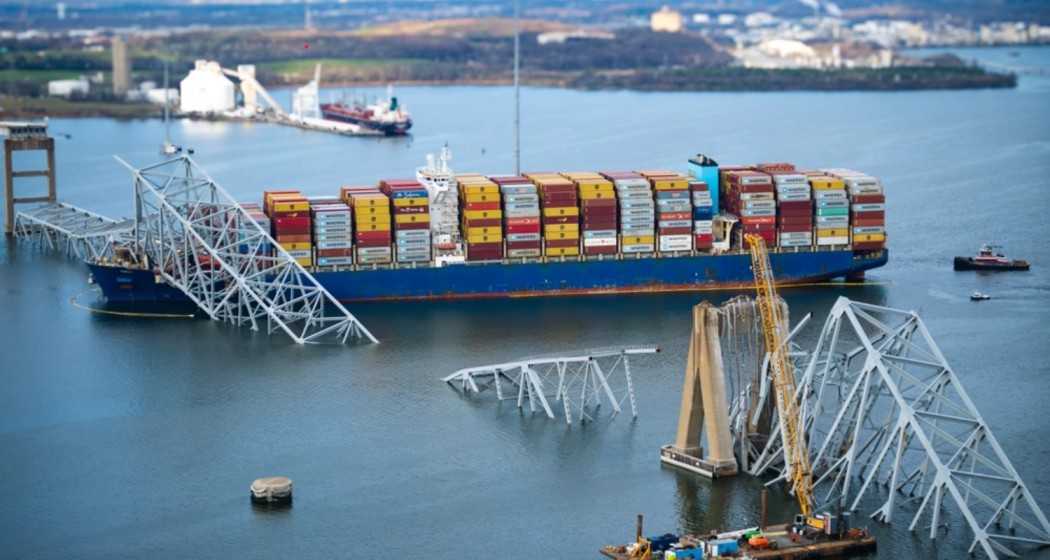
[{"x": 128, "y": 438}]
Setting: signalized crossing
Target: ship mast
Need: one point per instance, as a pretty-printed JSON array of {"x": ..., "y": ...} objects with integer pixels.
[{"x": 517, "y": 90}]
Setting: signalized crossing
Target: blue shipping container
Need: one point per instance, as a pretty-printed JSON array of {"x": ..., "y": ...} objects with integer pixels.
[{"x": 705, "y": 169}]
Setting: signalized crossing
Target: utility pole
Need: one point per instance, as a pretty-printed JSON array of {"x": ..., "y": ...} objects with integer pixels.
[{"x": 517, "y": 89}]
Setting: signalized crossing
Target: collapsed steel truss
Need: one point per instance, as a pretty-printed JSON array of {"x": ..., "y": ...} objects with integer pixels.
[
  {"x": 198, "y": 239},
  {"x": 882, "y": 407},
  {"x": 579, "y": 380},
  {"x": 76, "y": 232}
]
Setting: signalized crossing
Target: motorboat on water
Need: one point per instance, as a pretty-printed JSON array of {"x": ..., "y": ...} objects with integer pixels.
[{"x": 989, "y": 257}]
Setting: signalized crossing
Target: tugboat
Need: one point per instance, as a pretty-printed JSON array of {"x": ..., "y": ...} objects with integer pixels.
[
  {"x": 979, "y": 296},
  {"x": 387, "y": 117},
  {"x": 989, "y": 257}
]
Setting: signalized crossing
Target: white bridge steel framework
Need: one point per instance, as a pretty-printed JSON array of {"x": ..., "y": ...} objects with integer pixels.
[
  {"x": 579, "y": 380},
  {"x": 883, "y": 408},
  {"x": 78, "y": 233},
  {"x": 200, "y": 240}
]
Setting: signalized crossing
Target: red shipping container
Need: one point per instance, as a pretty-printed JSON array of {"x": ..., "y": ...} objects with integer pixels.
[
  {"x": 868, "y": 223},
  {"x": 795, "y": 219},
  {"x": 559, "y": 188},
  {"x": 509, "y": 179},
  {"x": 493, "y": 205},
  {"x": 598, "y": 203},
  {"x": 414, "y": 225},
  {"x": 335, "y": 252},
  {"x": 563, "y": 242},
  {"x": 675, "y": 230},
  {"x": 869, "y": 246},
  {"x": 879, "y": 215},
  {"x": 778, "y": 167},
  {"x": 559, "y": 200},
  {"x": 481, "y": 222},
  {"x": 411, "y": 209},
  {"x": 676, "y": 216},
  {"x": 522, "y": 228},
  {"x": 869, "y": 199},
  {"x": 599, "y": 224},
  {"x": 758, "y": 220},
  {"x": 608, "y": 250},
  {"x": 522, "y": 221},
  {"x": 698, "y": 186},
  {"x": 293, "y": 238},
  {"x": 560, "y": 220},
  {"x": 287, "y": 221},
  {"x": 523, "y": 245},
  {"x": 372, "y": 235}
]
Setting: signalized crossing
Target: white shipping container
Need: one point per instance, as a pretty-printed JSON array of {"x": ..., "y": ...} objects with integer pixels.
[
  {"x": 637, "y": 248},
  {"x": 869, "y": 207},
  {"x": 675, "y": 242},
  {"x": 868, "y": 230},
  {"x": 832, "y": 240},
  {"x": 757, "y": 196},
  {"x": 519, "y": 253},
  {"x": 595, "y": 233},
  {"x": 599, "y": 242}
]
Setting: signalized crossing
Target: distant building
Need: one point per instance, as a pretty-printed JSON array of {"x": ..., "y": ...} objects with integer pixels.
[
  {"x": 206, "y": 90},
  {"x": 701, "y": 19},
  {"x": 68, "y": 88},
  {"x": 666, "y": 20},
  {"x": 121, "y": 67},
  {"x": 726, "y": 19},
  {"x": 560, "y": 37}
]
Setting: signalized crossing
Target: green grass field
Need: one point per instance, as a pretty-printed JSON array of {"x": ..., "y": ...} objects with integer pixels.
[
  {"x": 40, "y": 76},
  {"x": 335, "y": 66}
]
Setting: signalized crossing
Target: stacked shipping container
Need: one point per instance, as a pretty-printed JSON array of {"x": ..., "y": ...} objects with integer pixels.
[
  {"x": 598, "y": 212},
  {"x": 372, "y": 236},
  {"x": 289, "y": 214},
  {"x": 521, "y": 216},
  {"x": 674, "y": 225},
  {"x": 867, "y": 209},
  {"x": 794, "y": 205},
  {"x": 703, "y": 215},
  {"x": 482, "y": 217},
  {"x": 333, "y": 232},
  {"x": 411, "y": 205},
  {"x": 561, "y": 214},
  {"x": 831, "y": 210},
  {"x": 637, "y": 211},
  {"x": 749, "y": 195}
]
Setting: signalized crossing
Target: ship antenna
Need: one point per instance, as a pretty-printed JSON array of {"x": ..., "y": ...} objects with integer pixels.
[
  {"x": 167, "y": 120},
  {"x": 517, "y": 90}
]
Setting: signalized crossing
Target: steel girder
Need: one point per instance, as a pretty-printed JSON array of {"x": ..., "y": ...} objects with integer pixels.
[
  {"x": 196, "y": 237},
  {"x": 76, "y": 232},
  {"x": 579, "y": 381},
  {"x": 884, "y": 408}
]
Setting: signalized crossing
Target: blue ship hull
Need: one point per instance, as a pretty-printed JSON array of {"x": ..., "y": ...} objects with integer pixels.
[{"x": 495, "y": 280}]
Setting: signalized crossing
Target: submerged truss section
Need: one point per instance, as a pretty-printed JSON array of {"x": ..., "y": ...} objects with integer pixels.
[
  {"x": 197, "y": 238},
  {"x": 579, "y": 381},
  {"x": 78, "y": 233},
  {"x": 884, "y": 409}
]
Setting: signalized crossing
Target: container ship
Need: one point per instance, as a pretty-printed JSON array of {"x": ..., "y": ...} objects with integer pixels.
[
  {"x": 387, "y": 117},
  {"x": 443, "y": 235}
]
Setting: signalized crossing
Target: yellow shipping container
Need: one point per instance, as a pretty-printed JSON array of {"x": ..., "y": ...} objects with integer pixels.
[
  {"x": 638, "y": 239},
  {"x": 869, "y": 237},
  {"x": 558, "y": 235},
  {"x": 827, "y": 183},
  {"x": 412, "y": 218},
  {"x": 378, "y": 226},
  {"x": 561, "y": 228},
  {"x": 305, "y": 261},
  {"x": 296, "y": 246},
  {"x": 841, "y": 232},
  {"x": 593, "y": 195},
  {"x": 482, "y": 197},
  {"x": 370, "y": 201},
  {"x": 483, "y": 214},
  {"x": 413, "y": 201},
  {"x": 594, "y": 185},
  {"x": 493, "y": 230},
  {"x": 485, "y": 238},
  {"x": 563, "y": 251},
  {"x": 278, "y": 206},
  {"x": 371, "y": 210},
  {"x": 581, "y": 175},
  {"x": 666, "y": 184},
  {"x": 558, "y": 211}
]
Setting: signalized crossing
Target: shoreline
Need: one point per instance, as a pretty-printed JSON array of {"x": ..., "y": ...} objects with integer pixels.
[{"x": 672, "y": 80}]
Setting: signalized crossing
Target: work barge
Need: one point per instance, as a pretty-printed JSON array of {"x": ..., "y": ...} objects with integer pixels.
[{"x": 780, "y": 546}]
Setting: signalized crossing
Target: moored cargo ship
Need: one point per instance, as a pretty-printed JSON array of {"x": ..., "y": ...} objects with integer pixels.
[{"x": 568, "y": 233}]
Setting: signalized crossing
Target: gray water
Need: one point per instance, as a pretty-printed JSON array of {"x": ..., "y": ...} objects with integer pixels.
[{"x": 128, "y": 438}]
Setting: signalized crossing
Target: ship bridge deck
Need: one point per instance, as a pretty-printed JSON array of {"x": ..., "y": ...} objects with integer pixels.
[{"x": 79, "y": 233}]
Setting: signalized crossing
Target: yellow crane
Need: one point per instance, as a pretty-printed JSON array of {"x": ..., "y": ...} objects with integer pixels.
[{"x": 773, "y": 325}]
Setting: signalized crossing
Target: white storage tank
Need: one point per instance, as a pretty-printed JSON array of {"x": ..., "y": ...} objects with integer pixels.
[{"x": 206, "y": 89}]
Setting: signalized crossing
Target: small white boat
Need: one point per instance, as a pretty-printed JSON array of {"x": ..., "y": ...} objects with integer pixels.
[{"x": 979, "y": 296}]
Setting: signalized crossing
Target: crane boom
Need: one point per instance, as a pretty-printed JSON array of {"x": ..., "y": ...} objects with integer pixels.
[{"x": 797, "y": 464}]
